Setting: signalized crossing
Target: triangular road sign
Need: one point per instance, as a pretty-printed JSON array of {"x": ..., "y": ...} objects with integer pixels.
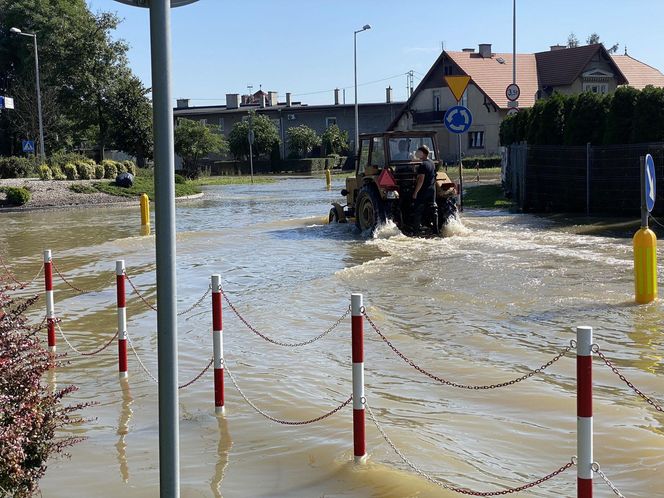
[
  {"x": 386, "y": 180},
  {"x": 457, "y": 85}
]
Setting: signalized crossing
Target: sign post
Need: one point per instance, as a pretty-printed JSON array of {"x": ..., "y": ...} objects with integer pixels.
[
  {"x": 645, "y": 240},
  {"x": 458, "y": 119},
  {"x": 251, "y": 138}
]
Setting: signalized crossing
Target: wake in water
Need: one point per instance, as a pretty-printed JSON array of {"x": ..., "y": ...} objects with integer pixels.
[{"x": 388, "y": 230}]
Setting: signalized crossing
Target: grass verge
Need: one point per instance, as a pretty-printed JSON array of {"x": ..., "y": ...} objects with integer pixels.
[
  {"x": 486, "y": 197},
  {"x": 144, "y": 183},
  {"x": 80, "y": 188},
  {"x": 228, "y": 180}
]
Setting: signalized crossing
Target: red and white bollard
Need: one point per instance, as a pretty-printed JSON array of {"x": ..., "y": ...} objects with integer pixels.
[
  {"x": 122, "y": 318},
  {"x": 584, "y": 411},
  {"x": 50, "y": 306},
  {"x": 357, "y": 332},
  {"x": 217, "y": 345}
]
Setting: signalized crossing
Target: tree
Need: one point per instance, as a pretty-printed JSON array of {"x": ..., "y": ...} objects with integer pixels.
[
  {"x": 195, "y": 140},
  {"x": 301, "y": 140},
  {"x": 594, "y": 39},
  {"x": 648, "y": 121},
  {"x": 586, "y": 122},
  {"x": 130, "y": 112},
  {"x": 334, "y": 140},
  {"x": 572, "y": 41},
  {"x": 265, "y": 133},
  {"x": 620, "y": 118}
]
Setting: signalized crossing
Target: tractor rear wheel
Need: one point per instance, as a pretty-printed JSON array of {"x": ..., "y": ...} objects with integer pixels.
[{"x": 369, "y": 210}]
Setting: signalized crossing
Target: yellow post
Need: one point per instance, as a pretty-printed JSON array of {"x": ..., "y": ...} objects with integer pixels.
[
  {"x": 328, "y": 179},
  {"x": 645, "y": 265},
  {"x": 145, "y": 210}
]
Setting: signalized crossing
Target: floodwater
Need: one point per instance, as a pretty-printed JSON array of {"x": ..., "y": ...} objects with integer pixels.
[{"x": 501, "y": 294}]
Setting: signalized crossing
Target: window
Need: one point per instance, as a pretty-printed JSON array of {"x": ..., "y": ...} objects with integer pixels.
[
  {"x": 330, "y": 121},
  {"x": 476, "y": 140},
  {"x": 364, "y": 156},
  {"x": 403, "y": 149},
  {"x": 600, "y": 88},
  {"x": 436, "y": 100},
  {"x": 378, "y": 153},
  {"x": 221, "y": 125}
]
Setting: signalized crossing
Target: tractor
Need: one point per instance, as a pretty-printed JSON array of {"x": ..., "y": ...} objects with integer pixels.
[{"x": 382, "y": 187}]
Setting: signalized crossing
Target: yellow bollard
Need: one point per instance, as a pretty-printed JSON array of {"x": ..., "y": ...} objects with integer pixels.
[
  {"x": 328, "y": 179},
  {"x": 645, "y": 265},
  {"x": 145, "y": 210}
]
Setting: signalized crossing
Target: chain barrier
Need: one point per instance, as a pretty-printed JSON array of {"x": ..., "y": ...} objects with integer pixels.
[
  {"x": 279, "y": 421},
  {"x": 279, "y": 343},
  {"x": 23, "y": 285},
  {"x": 41, "y": 326},
  {"x": 595, "y": 467},
  {"x": 187, "y": 384},
  {"x": 145, "y": 301},
  {"x": 197, "y": 303},
  {"x": 446, "y": 382},
  {"x": 82, "y": 353},
  {"x": 463, "y": 491},
  {"x": 143, "y": 367},
  {"x": 650, "y": 401},
  {"x": 72, "y": 286}
]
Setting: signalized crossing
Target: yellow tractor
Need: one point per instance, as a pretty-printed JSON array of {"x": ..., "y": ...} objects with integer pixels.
[{"x": 384, "y": 181}]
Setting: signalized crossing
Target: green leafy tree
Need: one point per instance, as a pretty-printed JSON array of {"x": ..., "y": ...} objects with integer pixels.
[
  {"x": 587, "y": 119},
  {"x": 551, "y": 129},
  {"x": 334, "y": 140},
  {"x": 265, "y": 132},
  {"x": 620, "y": 118},
  {"x": 648, "y": 121},
  {"x": 130, "y": 113},
  {"x": 194, "y": 141},
  {"x": 301, "y": 140},
  {"x": 572, "y": 41}
]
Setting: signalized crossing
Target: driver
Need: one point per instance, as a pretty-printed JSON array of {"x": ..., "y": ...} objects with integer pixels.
[{"x": 403, "y": 154}]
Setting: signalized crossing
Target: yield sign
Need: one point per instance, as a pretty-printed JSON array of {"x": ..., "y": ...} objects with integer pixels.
[{"x": 457, "y": 85}]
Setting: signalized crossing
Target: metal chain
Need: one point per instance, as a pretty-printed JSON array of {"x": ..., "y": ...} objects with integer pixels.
[
  {"x": 145, "y": 369},
  {"x": 23, "y": 285},
  {"x": 650, "y": 401},
  {"x": 197, "y": 303},
  {"x": 41, "y": 269},
  {"x": 284, "y": 422},
  {"x": 154, "y": 308},
  {"x": 92, "y": 353},
  {"x": 463, "y": 491},
  {"x": 467, "y": 386},
  {"x": 597, "y": 470},
  {"x": 187, "y": 384},
  {"x": 77, "y": 289},
  {"x": 279, "y": 343}
]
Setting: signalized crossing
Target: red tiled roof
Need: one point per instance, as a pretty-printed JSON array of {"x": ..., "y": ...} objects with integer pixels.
[
  {"x": 638, "y": 74},
  {"x": 492, "y": 77}
]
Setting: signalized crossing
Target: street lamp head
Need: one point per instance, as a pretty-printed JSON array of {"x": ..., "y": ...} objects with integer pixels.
[
  {"x": 366, "y": 26},
  {"x": 146, "y": 3},
  {"x": 15, "y": 30}
]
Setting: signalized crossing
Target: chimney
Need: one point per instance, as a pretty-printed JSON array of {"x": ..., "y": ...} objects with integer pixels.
[
  {"x": 289, "y": 100},
  {"x": 557, "y": 47},
  {"x": 232, "y": 100},
  {"x": 183, "y": 103},
  {"x": 470, "y": 50},
  {"x": 262, "y": 100},
  {"x": 336, "y": 96},
  {"x": 272, "y": 98},
  {"x": 485, "y": 50},
  {"x": 388, "y": 95}
]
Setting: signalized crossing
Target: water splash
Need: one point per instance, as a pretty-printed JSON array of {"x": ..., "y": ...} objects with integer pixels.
[
  {"x": 387, "y": 231},
  {"x": 455, "y": 226}
]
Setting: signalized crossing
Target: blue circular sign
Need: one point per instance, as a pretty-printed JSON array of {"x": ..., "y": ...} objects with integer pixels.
[
  {"x": 458, "y": 119},
  {"x": 651, "y": 189}
]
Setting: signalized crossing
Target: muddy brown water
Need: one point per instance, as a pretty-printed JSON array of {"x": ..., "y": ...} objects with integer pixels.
[{"x": 500, "y": 294}]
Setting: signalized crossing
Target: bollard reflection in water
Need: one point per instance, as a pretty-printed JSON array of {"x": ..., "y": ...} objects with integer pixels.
[
  {"x": 123, "y": 428},
  {"x": 223, "y": 451}
]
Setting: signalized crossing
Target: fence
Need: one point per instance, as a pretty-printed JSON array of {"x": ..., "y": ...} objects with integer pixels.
[
  {"x": 586, "y": 349},
  {"x": 581, "y": 179}
]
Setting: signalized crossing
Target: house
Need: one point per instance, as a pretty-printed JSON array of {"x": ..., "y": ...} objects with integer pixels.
[
  {"x": 564, "y": 70},
  {"x": 373, "y": 117}
]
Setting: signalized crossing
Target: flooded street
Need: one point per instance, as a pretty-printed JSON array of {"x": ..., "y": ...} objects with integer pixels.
[{"x": 500, "y": 295}]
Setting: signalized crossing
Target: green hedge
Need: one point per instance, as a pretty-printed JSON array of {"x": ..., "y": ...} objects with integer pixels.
[
  {"x": 17, "y": 195},
  {"x": 16, "y": 167},
  {"x": 482, "y": 161}
]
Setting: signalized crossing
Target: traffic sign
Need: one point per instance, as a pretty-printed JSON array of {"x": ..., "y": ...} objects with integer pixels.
[
  {"x": 457, "y": 85},
  {"x": 513, "y": 111},
  {"x": 251, "y": 137},
  {"x": 9, "y": 102},
  {"x": 29, "y": 146},
  {"x": 651, "y": 189},
  {"x": 512, "y": 104},
  {"x": 458, "y": 119},
  {"x": 512, "y": 92}
]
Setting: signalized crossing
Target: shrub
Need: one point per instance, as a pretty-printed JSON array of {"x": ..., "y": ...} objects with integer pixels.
[
  {"x": 81, "y": 188},
  {"x": 110, "y": 170},
  {"x": 121, "y": 168},
  {"x": 57, "y": 173},
  {"x": 85, "y": 170},
  {"x": 45, "y": 172},
  {"x": 17, "y": 196},
  {"x": 301, "y": 140},
  {"x": 99, "y": 171},
  {"x": 130, "y": 167},
  {"x": 31, "y": 415},
  {"x": 15, "y": 167},
  {"x": 61, "y": 159},
  {"x": 180, "y": 179},
  {"x": 70, "y": 171}
]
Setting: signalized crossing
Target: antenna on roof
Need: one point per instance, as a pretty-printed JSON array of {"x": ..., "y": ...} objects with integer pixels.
[{"x": 625, "y": 49}]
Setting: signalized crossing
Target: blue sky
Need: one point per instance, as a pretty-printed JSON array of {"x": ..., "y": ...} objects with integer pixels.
[{"x": 306, "y": 47}]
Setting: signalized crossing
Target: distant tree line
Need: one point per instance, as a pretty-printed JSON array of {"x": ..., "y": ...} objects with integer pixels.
[{"x": 624, "y": 116}]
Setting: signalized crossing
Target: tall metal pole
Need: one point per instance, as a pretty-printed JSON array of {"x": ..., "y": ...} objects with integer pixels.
[
  {"x": 357, "y": 118},
  {"x": 514, "y": 41},
  {"x": 164, "y": 179},
  {"x": 39, "y": 104}
]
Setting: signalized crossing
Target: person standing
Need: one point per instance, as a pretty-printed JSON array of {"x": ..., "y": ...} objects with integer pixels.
[{"x": 424, "y": 195}]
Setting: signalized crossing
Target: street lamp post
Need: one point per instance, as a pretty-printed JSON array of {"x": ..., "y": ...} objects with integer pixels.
[
  {"x": 357, "y": 119},
  {"x": 39, "y": 106}
]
